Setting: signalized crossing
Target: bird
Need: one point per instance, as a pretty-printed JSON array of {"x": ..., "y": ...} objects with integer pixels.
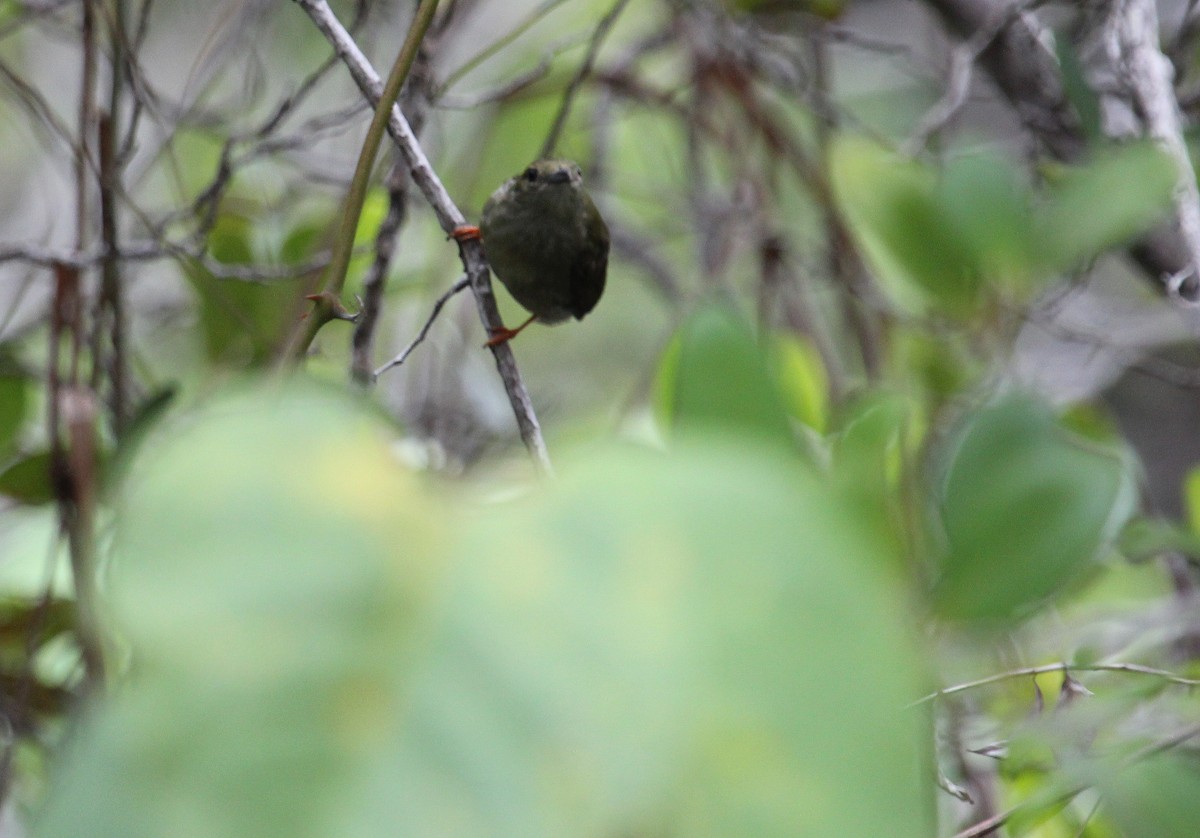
[{"x": 546, "y": 242}]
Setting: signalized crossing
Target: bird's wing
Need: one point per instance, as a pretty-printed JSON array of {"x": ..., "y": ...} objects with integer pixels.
[{"x": 588, "y": 272}]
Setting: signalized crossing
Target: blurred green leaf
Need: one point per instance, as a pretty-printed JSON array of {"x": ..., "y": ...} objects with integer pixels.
[
  {"x": 868, "y": 457},
  {"x": 985, "y": 203},
  {"x": 703, "y": 641},
  {"x": 1025, "y": 506},
  {"x": 1079, "y": 92},
  {"x": 29, "y": 480},
  {"x": 14, "y": 399},
  {"x": 1103, "y": 203},
  {"x": 648, "y": 644},
  {"x": 1143, "y": 539},
  {"x": 1191, "y": 496},
  {"x": 907, "y": 235},
  {"x": 243, "y": 321},
  {"x": 715, "y": 378},
  {"x": 271, "y": 566},
  {"x": 1158, "y": 797},
  {"x": 802, "y": 380}
]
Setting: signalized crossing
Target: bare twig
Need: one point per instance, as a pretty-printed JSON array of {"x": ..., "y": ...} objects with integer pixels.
[
  {"x": 962, "y": 60},
  {"x": 449, "y": 216},
  {"x": 437, "y": 309},
  {"x": 585, "y": 67},
  {"x": 1062, "y": 666}
]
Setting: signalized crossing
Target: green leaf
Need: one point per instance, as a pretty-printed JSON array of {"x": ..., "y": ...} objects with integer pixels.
[
  {"x": 802, "y": 380},
  {"x": 1104, "y": 203},
  {"x": 1191, "y": 495},
  {"x": 868, "y": 456},
  {"x": 271, "y": 567},
  {"x": 243, "y": 321},
  {"x": 1157, "y": 797},
  {"x": 1143, "y": 539},
  {"x": 702, "y": 643},
  {"x": 909, "y": 238},
  {"x": 1025, "y": 506},
  {"x": 716, "y": 378},
  {"x": 14, "y": 400},
  {"x": 987, "y": 206},
  {"x": 29, "y": 480}
]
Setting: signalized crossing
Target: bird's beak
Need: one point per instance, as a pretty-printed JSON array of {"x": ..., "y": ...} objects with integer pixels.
[{"x": 558, "y": 176}]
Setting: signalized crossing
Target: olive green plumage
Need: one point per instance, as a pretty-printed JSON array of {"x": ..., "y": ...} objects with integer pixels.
[{"x": 546, "y": 241}]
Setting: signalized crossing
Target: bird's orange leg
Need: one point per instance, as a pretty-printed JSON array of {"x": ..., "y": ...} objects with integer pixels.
[
  {"x": 503, "y": 335},
  {"x": 466, "y": 233}
]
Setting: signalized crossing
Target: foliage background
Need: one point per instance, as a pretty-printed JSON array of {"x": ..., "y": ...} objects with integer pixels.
[{"x": 874, "y": 510}]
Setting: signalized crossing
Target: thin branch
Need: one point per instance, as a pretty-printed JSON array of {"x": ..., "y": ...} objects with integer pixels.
[
  {"x": 962, "y": 61},
  {"x": 1062, "y": 666},
  {"x": 585, "y": 67},
  {"x": 495, "y": 46},
  {"x": 449, "y": 216},
  {"x": 462, "y": 283}
]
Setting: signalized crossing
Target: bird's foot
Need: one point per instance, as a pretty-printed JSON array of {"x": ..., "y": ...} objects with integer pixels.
[
  {"x": 466, "y": 233},
  {"x": 504, "y": 335}
]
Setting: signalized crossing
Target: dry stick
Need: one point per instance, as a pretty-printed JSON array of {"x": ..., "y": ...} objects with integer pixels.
[
  {"x": 73, "y": 465},
  {"x": 437, "y": 309},
  {"x": 111, "y": 301},
  {"x": 449, "y": 216},
  {"x": 1062, "y": 666},
  {"x": 585, "y": 68}
]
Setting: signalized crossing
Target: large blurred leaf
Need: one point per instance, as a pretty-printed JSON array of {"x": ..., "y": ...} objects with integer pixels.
[
  {"x": 1025, "y": 506},
  {"x": 715, "y": 377},
  {"x": 271, "y": 563},
  {"x": 910, "y": 239},
  {"x": 1103, "y": 203},
  {"x": 703, "y": 643}
]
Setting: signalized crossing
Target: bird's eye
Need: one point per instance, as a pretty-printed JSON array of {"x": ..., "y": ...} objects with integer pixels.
[{"x": 531, "y": 174}]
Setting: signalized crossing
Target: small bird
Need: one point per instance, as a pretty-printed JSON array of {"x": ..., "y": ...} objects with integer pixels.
[{"x": 547, "y": 243}]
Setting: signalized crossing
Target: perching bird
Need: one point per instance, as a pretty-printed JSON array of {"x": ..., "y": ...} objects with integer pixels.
[{"x": 547, "y": 243}]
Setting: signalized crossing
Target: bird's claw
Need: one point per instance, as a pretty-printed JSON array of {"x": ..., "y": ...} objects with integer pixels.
[{"x": 466, "y": 233}]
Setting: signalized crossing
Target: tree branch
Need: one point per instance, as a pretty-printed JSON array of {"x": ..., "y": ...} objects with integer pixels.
[
  {"x": 1027, "y": 73},
  {"x": 448, "y": 215}
]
